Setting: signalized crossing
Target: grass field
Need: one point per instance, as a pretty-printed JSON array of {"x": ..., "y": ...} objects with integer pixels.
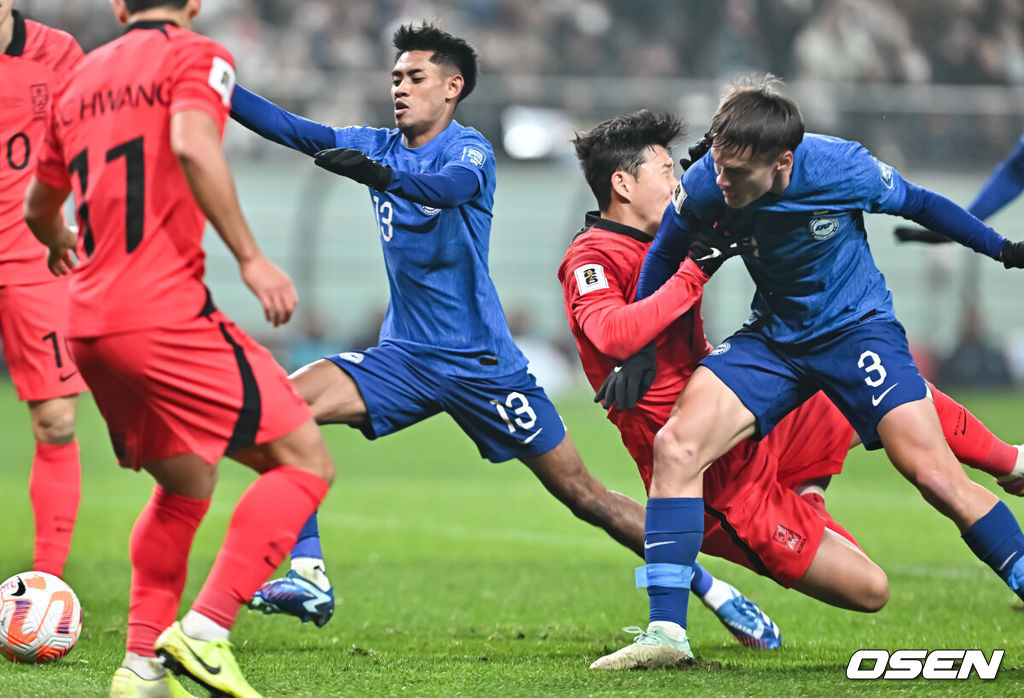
[{"x": 459, "y": 577}]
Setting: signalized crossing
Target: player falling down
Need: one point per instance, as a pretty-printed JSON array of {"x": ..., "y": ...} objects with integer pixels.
[
  {"x": 763, "y": 500},
  {"x": 33, "y": 303},
  {"x": 822, "y": 320},
  {"x": 444, "y": 345},
  {"x": 178, "y": 384}
]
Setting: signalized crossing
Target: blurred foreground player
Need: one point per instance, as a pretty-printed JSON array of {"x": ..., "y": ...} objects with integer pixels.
[
  {"x": 137, "y": 133},
  {"x": 34, "y": 59},
  {"x": 445, "y": 345}
]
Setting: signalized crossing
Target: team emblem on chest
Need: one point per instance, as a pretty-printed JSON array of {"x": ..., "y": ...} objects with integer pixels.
[{"x": 822, "y": 228}]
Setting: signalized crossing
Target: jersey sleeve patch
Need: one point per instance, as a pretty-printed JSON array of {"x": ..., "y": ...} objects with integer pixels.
[
  {"x": 678, "y": 197},
  {"x": 222, "y": 79},
  {"x": 590, "y": 277},
  {"x": 473, "y": 155},
  {"x": 885, "y": 172}
]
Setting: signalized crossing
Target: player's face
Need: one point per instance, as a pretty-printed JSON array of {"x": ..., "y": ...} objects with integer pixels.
[
  {"x": 5, "y": 9},
  {"x": 742, "y": 177},
  {"x": 654, "y": 184},
  {"x": 424, "y": 93}
]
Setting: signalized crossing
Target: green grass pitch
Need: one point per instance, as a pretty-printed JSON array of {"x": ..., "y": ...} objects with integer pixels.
[{"x": 459, "y": 577}]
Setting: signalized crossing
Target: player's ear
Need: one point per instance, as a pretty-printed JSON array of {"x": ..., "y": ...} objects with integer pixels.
[
  {"x": 120, "y": 10},
  {"x": 784, "y": 161},
  {"x": 454, "y": 88},
  {"x": 622, "y": 185},
  {"x": 193, "y": 7}
]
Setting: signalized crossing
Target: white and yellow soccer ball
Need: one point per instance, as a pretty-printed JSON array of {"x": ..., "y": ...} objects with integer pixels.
[{"x": 40, "y": 618}]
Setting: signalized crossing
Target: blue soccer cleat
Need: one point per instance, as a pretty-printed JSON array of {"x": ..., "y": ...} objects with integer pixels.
[
  {"x": 748, "y": 623},
  {"x": 294, "y": 595}
]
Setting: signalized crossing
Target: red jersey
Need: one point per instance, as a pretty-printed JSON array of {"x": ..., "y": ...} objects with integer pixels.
[
  {"x": 599, "y": 274},
  {"x": 31, "y": 69},
  {"x": 141, "y": 230}
]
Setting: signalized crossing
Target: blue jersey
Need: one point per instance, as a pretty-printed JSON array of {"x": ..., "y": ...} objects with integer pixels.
[
  {"x": 813, "y": 268},
  {"x": 444, "y": 307}
]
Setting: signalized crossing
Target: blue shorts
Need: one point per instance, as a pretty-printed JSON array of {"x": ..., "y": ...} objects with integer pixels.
[
  {"x": 507, "y": 417},
  {"x": 865, "y": 369}
]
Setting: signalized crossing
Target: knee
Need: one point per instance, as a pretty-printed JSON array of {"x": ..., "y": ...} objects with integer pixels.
[
  {"x": 675, "y": 448},
  {"x": 55, "y": 427},
  {"x": 874, "y": 593}
]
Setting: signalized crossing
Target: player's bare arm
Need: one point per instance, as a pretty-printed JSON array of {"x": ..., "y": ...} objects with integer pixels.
[
  {"x": 196, "y": 143},
  {"x": 44, "y": 219}
]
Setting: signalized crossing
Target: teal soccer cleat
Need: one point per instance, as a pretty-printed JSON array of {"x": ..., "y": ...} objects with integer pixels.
[{"x": 294, "y": 595}]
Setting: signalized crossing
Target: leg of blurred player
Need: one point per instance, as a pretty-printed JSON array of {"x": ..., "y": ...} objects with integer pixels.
[{"x": 55, "y": 482}]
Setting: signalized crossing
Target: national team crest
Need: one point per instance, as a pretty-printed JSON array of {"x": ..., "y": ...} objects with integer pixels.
[
  {"x": 40, "y": 100},
  {"x": 789, "y": 539},
  {"x": 474, "y": 155},
  {"x": 823, "y": 228}
]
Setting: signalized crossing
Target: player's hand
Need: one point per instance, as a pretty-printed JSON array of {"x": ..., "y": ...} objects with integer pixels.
[
  {"x": 355, "y": 165},
  {"x": 711, "y": 245},
  {"x": 273, "y": 288},
  {"x": 629, "y": 381},
  {"x": 696, "y": 152},
  {"x": 1013, "y": 255},
  {"x": 59, "y": 260}
]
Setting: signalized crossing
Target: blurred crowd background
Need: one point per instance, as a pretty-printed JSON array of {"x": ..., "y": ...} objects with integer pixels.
[{"x": 934, "y": 87}]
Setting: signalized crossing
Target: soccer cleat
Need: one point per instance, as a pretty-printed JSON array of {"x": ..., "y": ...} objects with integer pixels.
[
  {"x": 296, "y": 596},
  {"x": 128, "y": 684},
  {"x": 1013, "y": 482},
  {"x": 748, "y": 623},
  {"x": 209, "y": 663},
  {"x": 652, "y": 649}
]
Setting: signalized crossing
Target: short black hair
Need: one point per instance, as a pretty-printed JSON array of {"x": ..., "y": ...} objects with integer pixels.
[
  {"x": 621, "y": 144},
  {"x": 140, "y": 5},
  {"x": 447, "y": 50},
  {"x": 755, "y": 114}
]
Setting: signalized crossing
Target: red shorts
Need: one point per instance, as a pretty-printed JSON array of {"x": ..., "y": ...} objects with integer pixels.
[
  {"x": 202, "y": 387},
  {"x": 752, "y": 517},
  {"x": 33, "y": 318}
]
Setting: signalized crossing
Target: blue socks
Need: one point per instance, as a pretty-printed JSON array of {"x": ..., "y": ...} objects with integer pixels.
[
  {"x": 674, "y": 531},
  {"x": 308, "y": 543},
  {"x": 997, "y": 540}
]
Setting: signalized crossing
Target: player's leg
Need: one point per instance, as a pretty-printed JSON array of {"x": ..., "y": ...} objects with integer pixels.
[
  {"x": 974, "y": 445},
  {"x": 45, "y": 376},
  {"x": 842, "y": 575},
  {"x": 912, "y": 437},
  {"x": 330, "y": 392},
  {"x": 563, "y": 474}
]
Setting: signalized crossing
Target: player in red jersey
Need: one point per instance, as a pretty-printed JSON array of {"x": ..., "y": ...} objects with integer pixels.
[
  {"x": 136, "y": 133},
  {"x": 754, "y": 515},
  {"x": 34, "y": 304}
]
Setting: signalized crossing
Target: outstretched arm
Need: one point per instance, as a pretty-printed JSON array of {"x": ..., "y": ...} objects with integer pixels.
[
  {"x": 669, "y": 249},
  {"x": 938, "y": 213},
  {"x": 274, "y": 123},
  {"x": 1004, "y": 184}
]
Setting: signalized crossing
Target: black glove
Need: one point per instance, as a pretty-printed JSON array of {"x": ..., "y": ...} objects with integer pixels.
[
  {"x": 630, "y": 381},
  {"x": 355, "y": 165},
  {"x": 1013, "y": 255},
  {"x": 909, "y": 233},
  {"x": 697, "y": 151},
  {"x": 711, "y": 245}
]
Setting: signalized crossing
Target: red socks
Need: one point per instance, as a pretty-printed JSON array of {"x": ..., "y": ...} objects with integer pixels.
[
  {"x": 159, "y": 548},
  {"x": 970, "y": 440},
  {"x": 54, "y": 487},
  {"x": 262, "y": 531}
]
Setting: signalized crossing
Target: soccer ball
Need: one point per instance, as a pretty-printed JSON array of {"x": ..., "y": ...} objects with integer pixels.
[{"x": 40, "y": 618}]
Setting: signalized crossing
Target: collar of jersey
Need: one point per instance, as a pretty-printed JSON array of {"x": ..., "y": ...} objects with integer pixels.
[
  {"x": 594, "y": 220},
  {"x": 17, "y": 45},
  {"x": 151, "y": 24}
]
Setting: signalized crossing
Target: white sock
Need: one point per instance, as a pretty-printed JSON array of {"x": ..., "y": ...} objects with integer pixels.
[
  {"x": 673, "y": 630},
  {"x": 149, "y": 668},
  {"x": 200, "y": 627},
  {"x": 719, "y": 593},
  {"x": 312, "y": 569}
]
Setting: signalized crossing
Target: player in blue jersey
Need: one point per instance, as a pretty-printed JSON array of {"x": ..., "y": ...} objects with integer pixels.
[
  {"x": 444, "y": 345},
  {"x": 822, "y": 319}
]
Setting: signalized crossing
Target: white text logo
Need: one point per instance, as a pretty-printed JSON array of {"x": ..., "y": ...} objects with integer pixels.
[{"x": 935, "y": 665}]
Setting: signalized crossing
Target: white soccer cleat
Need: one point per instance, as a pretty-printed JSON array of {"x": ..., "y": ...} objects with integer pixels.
[{"x": 652, "y": 649}]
